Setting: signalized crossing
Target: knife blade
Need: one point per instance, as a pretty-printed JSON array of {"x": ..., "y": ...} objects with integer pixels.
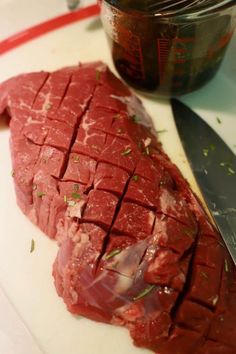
[{"x": 214, "y": 167}]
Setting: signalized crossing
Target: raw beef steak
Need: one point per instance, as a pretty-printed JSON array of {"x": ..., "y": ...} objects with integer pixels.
[{"x": 136, "y": 247}]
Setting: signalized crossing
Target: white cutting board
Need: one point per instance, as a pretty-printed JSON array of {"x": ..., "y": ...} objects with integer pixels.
[{"x": 26, "y": 277}]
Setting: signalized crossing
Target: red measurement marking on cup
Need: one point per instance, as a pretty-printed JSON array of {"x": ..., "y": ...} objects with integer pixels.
[
  {"x": 131, "y": 53},
  {"x": 176, "y": 52},
  {"x": 163, "y": 50},
  {"x": 126, "y": 45},
  {"x": 182, "y": 49}
]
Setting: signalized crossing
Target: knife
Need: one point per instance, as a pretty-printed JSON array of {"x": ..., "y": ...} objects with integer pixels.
[{"x": 214, "y": 167}]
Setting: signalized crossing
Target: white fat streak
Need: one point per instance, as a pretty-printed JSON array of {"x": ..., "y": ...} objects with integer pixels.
[
  {"x": 157, "y": 262},
  {"x": 123, "y": 284},
  {"x": 30, "y": 121},
  {"x": 166, "y": 200},
  {"x": 215, "y": 300},
  {"x": 29, "y": 88},
  {"x": 75, "y": 211},
  {"x": 98, "y": 182},
  {"x": 88, "y": 136},
  {"x": 82, "y": 244},
  {"x": 81, "y": 237},
  {"x": 147, "y": 142},
  {"x": 160, "y": 228},
  {"x": 150, "y": 254},
  {"x": 151, "y": 217},
  {"x": 97, "y": 279},
  {"x": 84, "y": 105},
  {"x": 129, "y": 312},
  {"x": 81, "y": 105},
  {"x": 103, "y": 285},
  {"x": 167, "y": 290},
  {"x": 72, "y": 230},
  {"x": 74, "y": 295},
  {"x": 48, "y": 153},
  {"x": 135, "y": 107},
  {"x": 46, "y": 102},
  {"x": 85, "y": 122},
  {"x": 181, "y": 277},
  {"x": 61, "y": 228},
  {"x": 127, "y": 261},
  {"x": 21, "y": 104},
  {"x": 124, "y": 312},
  {"x": 115, "y": 294},
  {"x": 32, "y": 215},
  {"x": 77, "y": 236},
  {"x": 101, "y": 68}
]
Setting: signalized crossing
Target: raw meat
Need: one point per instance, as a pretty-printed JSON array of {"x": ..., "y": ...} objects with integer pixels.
[{"x": 136, "y": 247}]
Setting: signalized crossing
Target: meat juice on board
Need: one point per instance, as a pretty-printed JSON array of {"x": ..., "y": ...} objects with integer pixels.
[{"x": 168, "y": 47}]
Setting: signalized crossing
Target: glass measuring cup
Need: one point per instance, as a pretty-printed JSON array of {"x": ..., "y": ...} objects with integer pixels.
[{"x": 168, "y": 50}]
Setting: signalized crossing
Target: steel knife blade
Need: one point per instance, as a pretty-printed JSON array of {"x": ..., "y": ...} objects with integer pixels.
[{"x": 214, "y": 167}]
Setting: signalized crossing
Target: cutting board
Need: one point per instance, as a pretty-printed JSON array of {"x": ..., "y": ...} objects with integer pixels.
[{"x": 26, "y": 276}]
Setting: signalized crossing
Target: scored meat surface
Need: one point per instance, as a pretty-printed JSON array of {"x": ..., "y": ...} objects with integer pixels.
[{"x": 136, "y": 247}]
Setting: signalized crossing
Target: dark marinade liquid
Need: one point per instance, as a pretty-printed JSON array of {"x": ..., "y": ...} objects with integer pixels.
[{"x": 169, "y": 56}]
